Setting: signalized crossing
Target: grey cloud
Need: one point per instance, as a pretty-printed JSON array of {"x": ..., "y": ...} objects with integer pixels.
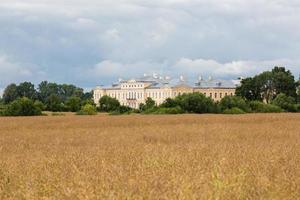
[{"x": 67, "y": 39}]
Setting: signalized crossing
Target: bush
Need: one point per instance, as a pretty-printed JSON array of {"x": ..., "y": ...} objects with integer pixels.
[
  {"x": 22, "y": 107},
  {"x": 171, "y": 111},
  {"x": 260, "y": 107},
  {"x": 229, "y": 102},
  {"x": 285, "y": 102},
  {"x": 195, "y": 103},
  {"x": 234, "y": 111},
  {"x": 297, "y": 107},
  {"x": 121, "y": 110},
  {"x": 87, "y": 109}
]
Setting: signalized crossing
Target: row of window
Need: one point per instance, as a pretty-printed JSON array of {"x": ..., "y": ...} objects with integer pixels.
[
  {"x": 155, "y": 95},
  {"x": 132, "y": 86}
]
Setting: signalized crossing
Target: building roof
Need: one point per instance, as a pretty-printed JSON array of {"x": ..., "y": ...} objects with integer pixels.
[{"x": 156, "y": 82}]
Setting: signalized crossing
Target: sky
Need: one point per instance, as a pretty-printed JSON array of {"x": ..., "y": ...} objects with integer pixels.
[{"x": 95, "y": 42}]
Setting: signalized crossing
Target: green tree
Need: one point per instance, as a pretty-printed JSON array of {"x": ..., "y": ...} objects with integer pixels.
[
  {"x": 230, "y": 102},
  {"x": 298, "y": 90},
  {"x": 108, "y": 104},
  {"x": 249, "y": 89},
  {"x": 169, "y": 103},
  {"x": 285, "y": 102},
  {"x": 22, "y": 107},
  {"x": 26, "y": 89},
  {"x": 53, "y": 103},
  {"x": 149, "y": 104},
  {"x": 10, "y": 93},
  {"x": 267, "y": 85},
  {"x": 284, "y": 81},
  {"x": 73, "y": 104},
  {"x": 195, "y": 103}
]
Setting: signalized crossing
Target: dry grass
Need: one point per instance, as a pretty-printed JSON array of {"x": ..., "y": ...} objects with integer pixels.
[{"x": 254, "y": 156}]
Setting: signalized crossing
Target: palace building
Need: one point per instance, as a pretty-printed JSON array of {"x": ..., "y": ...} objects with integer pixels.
[{"x": 133, "y": 92}]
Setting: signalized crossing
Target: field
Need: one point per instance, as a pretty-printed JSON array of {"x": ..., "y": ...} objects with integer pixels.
[{"x": 255, "y": 156}]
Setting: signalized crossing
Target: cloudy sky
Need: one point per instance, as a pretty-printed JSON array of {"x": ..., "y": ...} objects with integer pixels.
[{"x": 92, "y": 42}]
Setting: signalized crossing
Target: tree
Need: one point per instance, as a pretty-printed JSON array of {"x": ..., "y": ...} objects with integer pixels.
[
  {"x": 53, "y": 103},
  {"x": 73, "y": 104},
  {"x": 298, "y": 90},
  {"x": 10, "y": 93},
  {"x": 108, "y": 104},
  {"x": 249, "y": 89},
  {"x": 26, "y": 89},
  {"x": 195, "y": 103},
  {"x": 169, "y": 103},
  {"x": 87, "y": 95},
  {"x": 285, "y": 102},
  {"x": 149, "y": 104},
  {"x": 230, "y": 102},
  {"x": 267, "y": 85},
  {"x": 284, "y": 81},
  {"x": 22, "y": 107}
]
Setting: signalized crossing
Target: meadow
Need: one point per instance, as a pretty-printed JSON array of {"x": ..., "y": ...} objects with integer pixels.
[{"x": 252, "y": 156}]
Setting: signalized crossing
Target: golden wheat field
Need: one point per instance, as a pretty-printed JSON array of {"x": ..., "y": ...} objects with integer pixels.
[{"x": 254, "y": 156}]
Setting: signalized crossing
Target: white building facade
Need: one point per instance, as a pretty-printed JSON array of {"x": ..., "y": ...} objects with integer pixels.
[{"x": 133, "y": 92}]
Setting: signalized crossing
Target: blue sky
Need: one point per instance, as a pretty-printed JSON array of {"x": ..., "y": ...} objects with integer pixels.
[{"x": 92, "y": 42}]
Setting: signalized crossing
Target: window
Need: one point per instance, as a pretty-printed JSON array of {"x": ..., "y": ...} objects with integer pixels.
[
  {"x": 204, "y": 93},
  {"x": 225, "y": 94},
  {"x": 221, "y": 95},
  {"x": 216, "y": 95},
  {"x": 210, "y": 94},
  {"x": 231, "y": 94}
]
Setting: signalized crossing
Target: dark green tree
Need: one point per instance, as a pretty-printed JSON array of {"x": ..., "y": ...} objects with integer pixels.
[
  {"x": 195, "y": 103},
  {"x": 267, "y": 85},
  {"x": 10, "y": 93},
  {"x": 108, "y": 104},
  {"x": 73, "y": 104},
  {"x": 249, "y": 89},
  {"x": 26, "y": 89},
  {"x": 169, "y": 103},
  {"x": 53, "y": 103}
]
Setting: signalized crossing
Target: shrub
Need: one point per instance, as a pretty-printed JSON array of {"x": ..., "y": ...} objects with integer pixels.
[
  {"x": 122, "y": 110},
  {"x": 260, "y": 107},
  {"x": 285, "y": 102},
  {"x": 87, "y": 109},
  {"x": 195, "y": 103},
  {"x": 172, "y": 111},
  {"x": 297, "y": 107},
  {"x": 229, "y": 102},
  {"x": 234, "y": 111},
  {"x": 22, "y": 107}
]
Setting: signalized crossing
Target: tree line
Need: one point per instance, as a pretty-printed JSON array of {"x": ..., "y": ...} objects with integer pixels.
[
  {"x": 25, "y": 99},
  {"x": 271, "y": 91}
]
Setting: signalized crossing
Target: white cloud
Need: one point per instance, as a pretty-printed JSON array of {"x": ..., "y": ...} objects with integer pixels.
[{"x": 188, "y": 67}]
